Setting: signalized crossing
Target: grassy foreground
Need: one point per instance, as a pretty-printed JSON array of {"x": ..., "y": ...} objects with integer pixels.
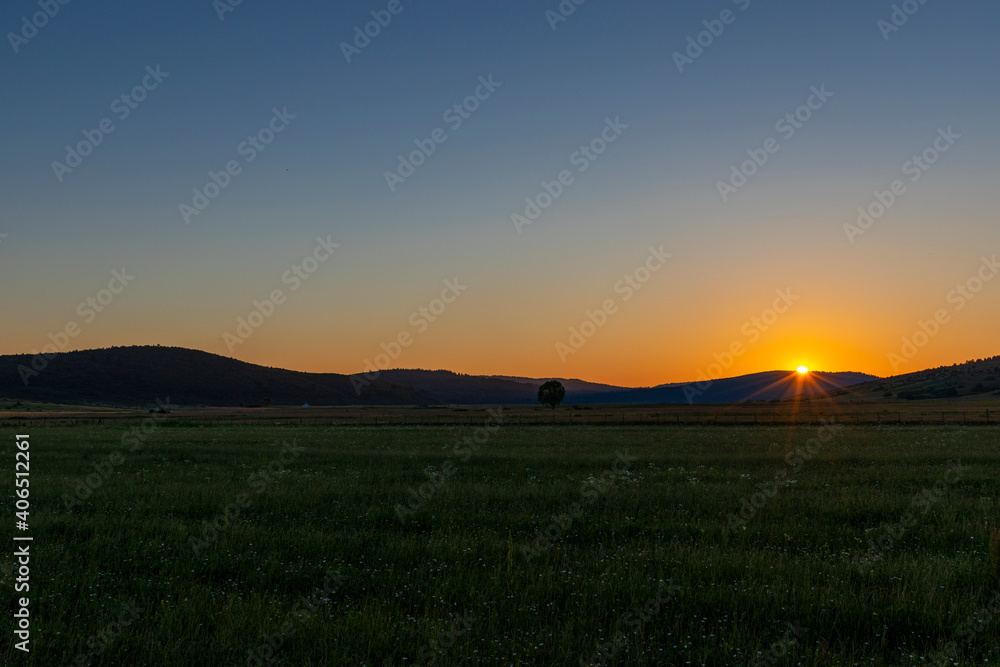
[{"x": 509, "y": 545}]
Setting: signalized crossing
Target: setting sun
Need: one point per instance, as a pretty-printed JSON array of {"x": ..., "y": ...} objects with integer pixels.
[{"x": 802, "y": 370}]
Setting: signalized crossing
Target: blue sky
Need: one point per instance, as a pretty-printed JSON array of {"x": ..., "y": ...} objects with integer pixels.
[{"x": 324, "y": 174}]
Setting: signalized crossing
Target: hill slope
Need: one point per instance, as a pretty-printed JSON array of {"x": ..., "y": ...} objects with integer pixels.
[
  {"x": 448, "y": 387},
  {"x": 130, "y": 376},
  {"x": 755, "y": 386},
  {"x": 576, "y": 387},
  {"x": 979, "y": 378},
  {"x": 451, "y": 387},
  {"x": 139, "y": 375}
]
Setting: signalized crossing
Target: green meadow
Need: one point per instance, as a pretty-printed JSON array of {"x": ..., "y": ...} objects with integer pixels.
[{"x": 509, "y": 545}]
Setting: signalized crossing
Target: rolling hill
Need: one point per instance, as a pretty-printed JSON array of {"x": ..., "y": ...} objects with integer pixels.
[
  {"x": 576, "y": 387},
  {"x": 977, "y": 379},
  {"x": 764, "y": 386},
  {"x": 129, "y": 376},
  {"x": 137, "y": 376},
  {"x": 454, "y": 388}
]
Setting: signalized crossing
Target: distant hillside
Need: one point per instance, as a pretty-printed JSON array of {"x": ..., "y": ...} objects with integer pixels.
[
  {"x": 137, "y": 376},
  {"x": 129, "y": 376},
  {"x": 979, "y": 379},
  {"x": 754, "y": 387},
  {"x": 576, "y": 387},
  {"x": 448, "y": 387}
]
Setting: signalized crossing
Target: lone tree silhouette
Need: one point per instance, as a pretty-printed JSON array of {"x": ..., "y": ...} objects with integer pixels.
[{"x": 551, "y": 393}]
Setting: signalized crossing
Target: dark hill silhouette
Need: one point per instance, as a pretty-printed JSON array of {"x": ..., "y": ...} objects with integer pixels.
[
  {"x": 977, "y": 379},
  {"x": 577, "y": 387},
  {"x": 453, "y": 388},
  {"x": 753, "y": 387},
  {"x": 139, "y": 375},
  {"x": 130, "y": 376}
]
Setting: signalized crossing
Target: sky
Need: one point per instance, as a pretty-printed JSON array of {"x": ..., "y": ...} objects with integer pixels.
[{"x": 625, "y": 192}]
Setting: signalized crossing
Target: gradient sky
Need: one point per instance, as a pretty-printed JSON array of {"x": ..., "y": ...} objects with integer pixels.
[{"x": 656, "y": 185}]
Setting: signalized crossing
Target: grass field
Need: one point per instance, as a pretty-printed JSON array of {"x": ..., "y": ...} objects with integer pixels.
[
  {"x": 964, "y": 411},
  {"x": 509, "y": 545}
]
